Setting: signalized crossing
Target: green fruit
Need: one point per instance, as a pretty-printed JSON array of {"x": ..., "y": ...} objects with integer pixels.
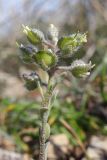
[
  {"x": 34, "y": 36},
  {"x": 80, "y": 69},
  {"x": 70, "y": 44},
  {"x": 46, "y": 59},
  {"x": 31, "y": 81},
  {"x": 26, "y": 53}
]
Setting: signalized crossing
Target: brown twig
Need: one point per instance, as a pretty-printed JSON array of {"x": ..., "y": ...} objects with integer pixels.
[
  {"x": 99, "y": 8},
  {"x": 74, "y": 134}
]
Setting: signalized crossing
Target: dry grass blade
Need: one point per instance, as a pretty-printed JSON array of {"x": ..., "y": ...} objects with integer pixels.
[{"x": 72, "y": 131}]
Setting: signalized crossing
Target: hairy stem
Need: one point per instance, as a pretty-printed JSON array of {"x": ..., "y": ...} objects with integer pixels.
[
  {"x": 43, "y": 153},
  {"x": 44, "y": 119}
]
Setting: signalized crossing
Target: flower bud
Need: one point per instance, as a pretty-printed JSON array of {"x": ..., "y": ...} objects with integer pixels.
[
  {"x": 26, "y": 53},
  {"x": 53, "y": 33},
  {"x": 70, "y": 44},
  {"x": 34, "y": 36},
  {"x": 80, "y": 69},
  {"x": 45, "y": 58},
  {"x": 31, "y": 80}
]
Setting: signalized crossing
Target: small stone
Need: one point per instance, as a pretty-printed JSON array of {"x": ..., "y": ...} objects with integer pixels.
[
  {"x": 58, "y": 147},
  {"x": 97, "y": 148}
]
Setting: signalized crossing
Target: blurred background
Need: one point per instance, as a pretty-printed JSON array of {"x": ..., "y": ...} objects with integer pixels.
[{"x": 79, "y": 115}]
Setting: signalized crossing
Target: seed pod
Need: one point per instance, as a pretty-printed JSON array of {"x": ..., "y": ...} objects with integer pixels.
[
  {"x": 80, "y": 69},
  {"x": 34, "y": 36},
  {"x": 53, "y": 33},
  {"x": 31, "y": 81},
  {"x": 46, "y": 59},
  {"x": 70, "y": 44},
  {"x": 26, "y": 53}
]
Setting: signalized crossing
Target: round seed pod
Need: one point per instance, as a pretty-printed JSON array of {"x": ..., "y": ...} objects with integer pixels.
[
  {"x": 26, "y": 53},
  {"x": 70, "y": 44},
  {"x": 65, "y": 44},
  {"x": 46, "y": 59},
  {"x": 31, "y": 80},
  {"x": 80, "y": 69}
]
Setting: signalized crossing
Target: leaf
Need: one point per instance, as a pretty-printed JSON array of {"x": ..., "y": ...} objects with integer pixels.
[{"x": 47, "y": 130}]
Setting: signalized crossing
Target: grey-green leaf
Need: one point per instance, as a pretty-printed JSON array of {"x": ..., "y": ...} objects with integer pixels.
[
  {"x": 53, "y": 34},
  {"x": 47, "y": 131}
]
